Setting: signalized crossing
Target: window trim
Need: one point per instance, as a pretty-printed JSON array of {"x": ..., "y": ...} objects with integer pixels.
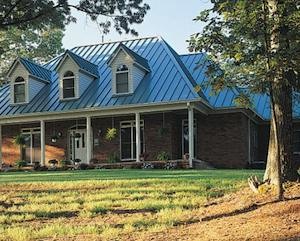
[
  {"x": 75, "y": 86},
  {"x": 129, "y": 80},
  {"x": 14, "y": 83}
]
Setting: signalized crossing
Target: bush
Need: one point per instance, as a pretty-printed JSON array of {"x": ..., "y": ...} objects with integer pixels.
[
  {"x": 21, "y": 163},
  {"x": 113, "y": 158},
  {"x": 162, "y": 156},
  {"x": 83, "y": 166},
  {"x": 64, "y": 163}
]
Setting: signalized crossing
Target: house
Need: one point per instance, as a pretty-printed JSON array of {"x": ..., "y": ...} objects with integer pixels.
[{"x": 145, "y": 90}]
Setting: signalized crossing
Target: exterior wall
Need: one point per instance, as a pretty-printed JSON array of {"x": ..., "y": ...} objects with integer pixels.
[
  {"x": 223, "y": 140},
  {"x": 84, "y": 82},
  {"x": 137, "y": 76},
  {"x": 34, "y": 87},
  {"x": 263, "y": 142},
  {"x": 10, "y": 152}
]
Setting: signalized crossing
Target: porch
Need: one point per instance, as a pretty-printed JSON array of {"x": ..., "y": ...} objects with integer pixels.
[{"x": 140, "y": 136}]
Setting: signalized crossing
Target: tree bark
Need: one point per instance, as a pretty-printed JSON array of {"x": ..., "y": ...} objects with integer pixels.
[{"x": 280, "y": 166}]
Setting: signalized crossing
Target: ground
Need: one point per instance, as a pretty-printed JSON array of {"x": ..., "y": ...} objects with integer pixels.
[{"x": 143, "y": 205}]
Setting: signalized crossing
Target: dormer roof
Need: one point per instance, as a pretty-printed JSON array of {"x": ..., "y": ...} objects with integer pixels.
[
  {"x": 33, "y": 69},
  {"x": 82, "y": 63},
  {"x": 139, "y": 60}
]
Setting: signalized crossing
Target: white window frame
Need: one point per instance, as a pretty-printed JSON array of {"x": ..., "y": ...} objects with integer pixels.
[
  {"x": 128, "y": 79},
  {"x": 75, "y": 86},
  {"x": 131, "y": 124},
  {"x": 31, "y": 131},
  {"x": 24, "y": 82}
]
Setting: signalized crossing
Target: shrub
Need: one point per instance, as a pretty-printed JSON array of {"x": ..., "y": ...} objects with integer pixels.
[
  {"x": 113, "y": 158},
  {"x": 19, "y": 140},
  {"x": 64, "y": 163},
  {"x": 83, "y": 166},
  {"x": 21, "y": 163},
  {"x": 162, "y": 156}
]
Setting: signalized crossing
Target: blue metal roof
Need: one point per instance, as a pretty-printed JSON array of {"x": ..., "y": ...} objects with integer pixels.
[
  {"x": 35, "y": 69},
  {"x": 225, "y": 98},
  {"x": 137, "y": 58},
  {"x": 83, "y": 63},
  {"x": 167, "y": 81}
]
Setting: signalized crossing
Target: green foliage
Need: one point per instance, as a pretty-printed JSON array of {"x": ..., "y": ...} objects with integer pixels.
[
  {"x": 237, "y": 39},
  {"x": 162, "y": 156},
  {"x": 117, "y": 14},
  {"x": 39, "y": 44},
  {"x": 19, "y": 140},
  {"x": 113, "y": 157},
  {"x": 20, "y": 163},
  {"x": 111, "y": 134}
]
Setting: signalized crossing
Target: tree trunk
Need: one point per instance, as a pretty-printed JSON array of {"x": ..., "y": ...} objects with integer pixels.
[{"x": 280, "y": 159}]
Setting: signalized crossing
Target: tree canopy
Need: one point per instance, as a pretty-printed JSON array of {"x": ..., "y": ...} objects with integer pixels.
[
  {"x": 237, "y": 36},
  {"x": 119, "y": 14},
  {"x": 255, "y": 46},
  {"x": 39, "y": 45}
]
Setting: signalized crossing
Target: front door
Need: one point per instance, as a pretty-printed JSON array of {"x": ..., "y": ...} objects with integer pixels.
[{"x": 78, "y": 145}]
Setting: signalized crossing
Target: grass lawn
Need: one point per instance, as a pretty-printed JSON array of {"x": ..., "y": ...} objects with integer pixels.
[{"x": 106, "y": 204}]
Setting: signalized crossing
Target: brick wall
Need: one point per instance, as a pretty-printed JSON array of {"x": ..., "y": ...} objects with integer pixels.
[{"x": 223, "y": 140}]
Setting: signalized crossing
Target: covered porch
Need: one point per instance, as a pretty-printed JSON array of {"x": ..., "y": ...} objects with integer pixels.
[{"x": 142, "y": 134}]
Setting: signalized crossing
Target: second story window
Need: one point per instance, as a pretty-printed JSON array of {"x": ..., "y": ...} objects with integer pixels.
[
  {"x": 68, "y": 85},
  {"x": 19, "y": 90},
  {"x": 122, "y": 83}
]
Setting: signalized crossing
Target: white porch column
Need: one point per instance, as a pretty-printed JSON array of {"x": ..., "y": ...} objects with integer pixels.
[
  {"x": 1, "y": 146},
  {"x": 43, "y": 145},
  {"x": 138, "y": 136},
  {"x": 88, "y": 139},
  {"x": 191, "y": 135}
]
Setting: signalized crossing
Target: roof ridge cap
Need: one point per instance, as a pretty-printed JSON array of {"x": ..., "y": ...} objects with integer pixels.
[{"x": 117, "y": 41}]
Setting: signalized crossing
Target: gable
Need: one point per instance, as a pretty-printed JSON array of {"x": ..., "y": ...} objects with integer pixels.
[
  {"x": 18, "y": 70},
  {"x": 67, "y": 64}
]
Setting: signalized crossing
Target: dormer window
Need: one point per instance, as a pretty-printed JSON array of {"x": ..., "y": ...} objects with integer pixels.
[
  {"x": 19, "y": 90},
  {"x": 68, "y": 85},
  {"x": 122, "y": 83}
]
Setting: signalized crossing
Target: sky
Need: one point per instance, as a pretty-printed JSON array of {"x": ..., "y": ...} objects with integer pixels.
[{"x": 170, "y": 19}]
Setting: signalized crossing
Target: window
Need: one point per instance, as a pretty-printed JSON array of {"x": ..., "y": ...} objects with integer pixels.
[
  {"x": 19, "y": 90},
  {"x": 122, "y": 84},
  {"x": 296, "y": 141},
  {"x": 128, "y": 141},
  {"x": 31, "y": 150},
  {"x": 68, "y": 85}
]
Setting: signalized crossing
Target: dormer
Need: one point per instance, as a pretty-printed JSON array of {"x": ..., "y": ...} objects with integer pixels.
[
  {"x": 75, "y": 75},
  {"x": 26, "y": 79},
  {"x": 128, "y": 70}
]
